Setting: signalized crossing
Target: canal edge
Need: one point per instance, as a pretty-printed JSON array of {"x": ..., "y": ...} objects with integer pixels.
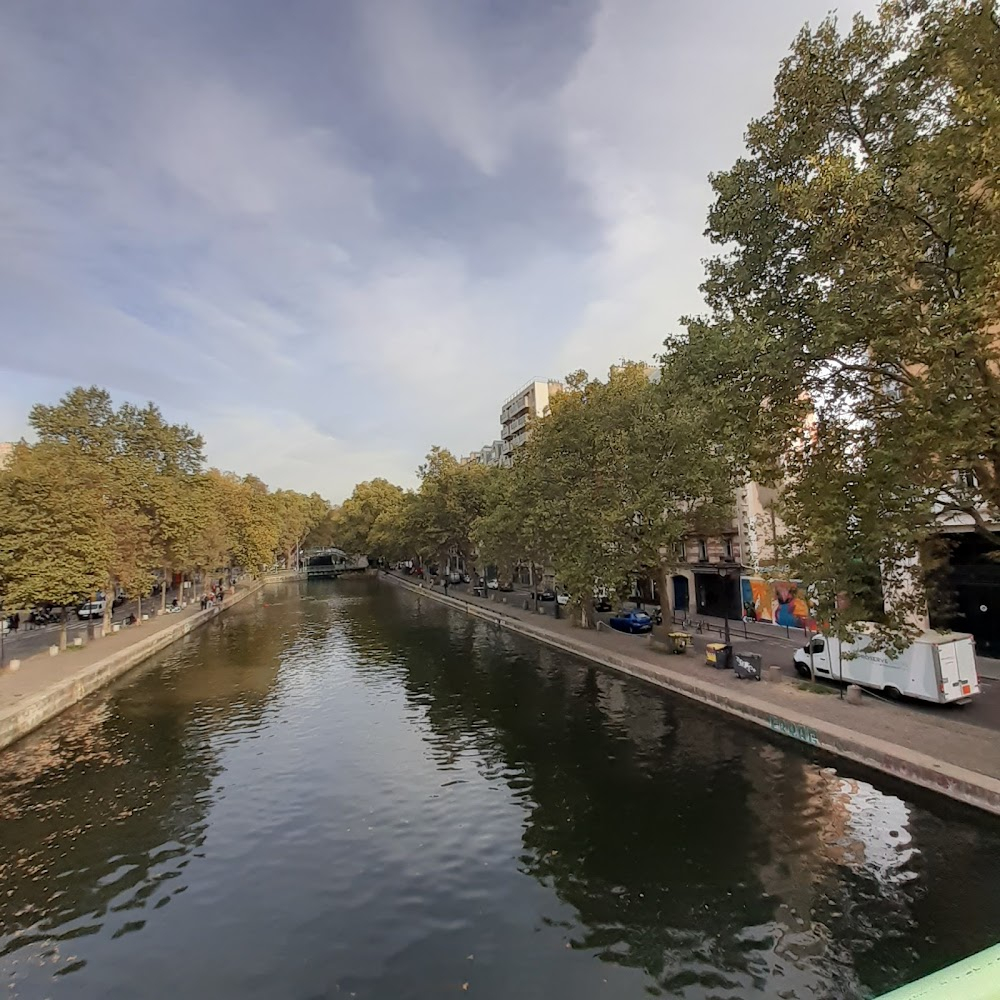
[
  {"x": 911, "y": 766},
  {"x": 56, "y": 699}
]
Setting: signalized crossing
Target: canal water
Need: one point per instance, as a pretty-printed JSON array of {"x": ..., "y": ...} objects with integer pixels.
[{"x": 345, "y": 791}]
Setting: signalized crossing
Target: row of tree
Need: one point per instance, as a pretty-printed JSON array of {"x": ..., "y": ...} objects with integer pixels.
[
  {"x": 606, "y": 487},
  {"x": 850, "y": 355},
  {"x": 111, "y": 499}
]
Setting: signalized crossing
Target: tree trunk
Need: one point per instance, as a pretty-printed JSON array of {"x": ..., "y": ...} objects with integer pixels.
[
  {"x": 109, "y": 604},
  {"x": 662, "y": 594},
  {"x": 588, "y": 616},
  {"x": 138, "y": 609},
  {"x": 62, "y": 629},
  {"x": 163, "y": 592},
  {"x": 531, "y": 583}
]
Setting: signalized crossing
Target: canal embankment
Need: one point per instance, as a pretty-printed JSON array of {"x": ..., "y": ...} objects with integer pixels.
[
  {"x": 933, "y": 749},
  {"x": 37, "y": 689}
]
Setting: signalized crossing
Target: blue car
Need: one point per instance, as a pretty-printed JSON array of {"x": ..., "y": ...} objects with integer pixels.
[{"x": 632, "y": 621}]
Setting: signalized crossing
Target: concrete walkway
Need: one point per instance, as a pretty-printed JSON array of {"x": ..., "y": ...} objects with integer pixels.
[
  {"x": 42, "y": 686},
  {"x": 935, "y": 748}
]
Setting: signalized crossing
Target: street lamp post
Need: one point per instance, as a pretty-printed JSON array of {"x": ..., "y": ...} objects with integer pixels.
[{"x": 725, "y": 572}]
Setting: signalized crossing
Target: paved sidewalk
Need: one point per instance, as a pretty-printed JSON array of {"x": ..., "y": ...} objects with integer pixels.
[
  {"x": 938, "y": 736},
  {"x": 43, "y": 685}
]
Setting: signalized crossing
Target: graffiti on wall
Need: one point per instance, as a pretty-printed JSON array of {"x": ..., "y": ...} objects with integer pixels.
[{"x": 777, "y": 602}]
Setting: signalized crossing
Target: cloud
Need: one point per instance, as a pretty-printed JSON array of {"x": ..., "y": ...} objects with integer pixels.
[
  {"x": 348, "y": 231},
  {"x": 297, "y": 454},
  {"x": 433, "y": 80}
]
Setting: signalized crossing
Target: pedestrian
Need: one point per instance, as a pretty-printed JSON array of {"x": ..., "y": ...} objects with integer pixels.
[{"x": 204, "y": 602}]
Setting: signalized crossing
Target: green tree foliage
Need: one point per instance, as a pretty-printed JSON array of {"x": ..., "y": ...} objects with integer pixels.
[
  {"x": 355, "y": 519},
  {"x": 505, "y": 535},
  {"x": 612, "y": 480},
  {"x": 858, "y": 283},
  {"x": 296, "y": 515},
  {"x": 108, "y": 496},
  {"x": 147, "y": 465},
  {"x": 452, "y": 496},
  {"x": 57, "y": 544}
]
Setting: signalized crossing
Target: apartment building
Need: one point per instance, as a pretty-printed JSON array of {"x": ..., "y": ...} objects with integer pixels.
[
  {"x": 519, "y": 411},
  {"x": 6, "y": 448},
  {"x": 740, "y": 570},
  {"x": 489, "y": 454}
]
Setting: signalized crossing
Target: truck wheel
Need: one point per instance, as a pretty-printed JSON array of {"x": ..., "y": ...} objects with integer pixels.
[
  {"x": 801, "y": 670},
  {"x": 892, "y": 693}
]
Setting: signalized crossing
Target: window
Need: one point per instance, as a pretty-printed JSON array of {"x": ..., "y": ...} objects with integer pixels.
[
  {"x": 728, "y": 549},
  {"x": 966, "y": 478},
  {"x": 702, "y": 550}
]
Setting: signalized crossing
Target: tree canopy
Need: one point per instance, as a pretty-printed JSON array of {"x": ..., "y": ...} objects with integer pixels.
[
  {"x": 108, "y": 497},
  {"x": 855, "y": 295}
]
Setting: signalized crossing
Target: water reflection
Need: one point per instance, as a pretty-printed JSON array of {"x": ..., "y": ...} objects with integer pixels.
[
  {"x": 346, "y": 791},
  {"x": 104, "y": 810},
  {"x": 688, "y": 846}
]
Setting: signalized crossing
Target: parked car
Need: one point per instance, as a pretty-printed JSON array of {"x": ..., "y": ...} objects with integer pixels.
[
  {"x": 465, "y": 578},
  {"x": 547, "y": 594},
  {"x": 634, "y": 622},
  {"x": 92, "y": 609},
  {"x": 602, "y": 602},
  {"x": 493, "y": 584},
  {"x": 506, "y": 587},
  {"x": 562, "y": 599},
  {"x": 454, "y": 577}
]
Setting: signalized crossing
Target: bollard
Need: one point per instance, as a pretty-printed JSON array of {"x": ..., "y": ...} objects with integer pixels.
[
  {"x": 53, "y": 650},
  {"x": 78, "y": 642},
  {"x": 116, "y": 627},
  {"x": 773, "y": 674},
  {"x": 853, "y": 694},
  {"x": 14, "y": 665},
  {"x": 145, "y": 618}
]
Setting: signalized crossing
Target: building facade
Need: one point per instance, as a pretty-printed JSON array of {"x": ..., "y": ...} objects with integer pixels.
[
  {"x": 741, "y": 571},
  {"x": 519, "y": 411},
  {"x": 489, "y": 454}
]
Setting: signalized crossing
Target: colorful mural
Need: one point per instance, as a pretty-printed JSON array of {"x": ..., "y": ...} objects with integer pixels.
[{"x": 776, "y": 602}]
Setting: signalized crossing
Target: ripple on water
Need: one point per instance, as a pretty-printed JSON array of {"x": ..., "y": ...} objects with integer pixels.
[{"x": 349, "y": 791}]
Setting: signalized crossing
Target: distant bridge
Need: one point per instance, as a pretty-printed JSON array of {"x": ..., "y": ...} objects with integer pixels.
[{"x": 332, "y": 562}]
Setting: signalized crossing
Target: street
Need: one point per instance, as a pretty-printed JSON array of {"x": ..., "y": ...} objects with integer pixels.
[
  {"x": 27, "y": 641},
  {"x": 777, "y": 649}
]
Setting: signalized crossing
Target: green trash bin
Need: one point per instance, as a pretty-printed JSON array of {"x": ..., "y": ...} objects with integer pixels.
[{"x": 724, "y": 657}]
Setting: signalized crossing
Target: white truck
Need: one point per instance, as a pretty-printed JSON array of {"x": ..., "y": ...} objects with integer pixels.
[{"x": 938, "y": 666}]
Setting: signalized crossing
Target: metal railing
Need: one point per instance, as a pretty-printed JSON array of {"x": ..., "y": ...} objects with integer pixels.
[{"x": 750, "y": 630}]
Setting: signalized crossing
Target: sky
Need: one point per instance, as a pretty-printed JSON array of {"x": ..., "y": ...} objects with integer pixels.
[{"x": 329, "y": 234}]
